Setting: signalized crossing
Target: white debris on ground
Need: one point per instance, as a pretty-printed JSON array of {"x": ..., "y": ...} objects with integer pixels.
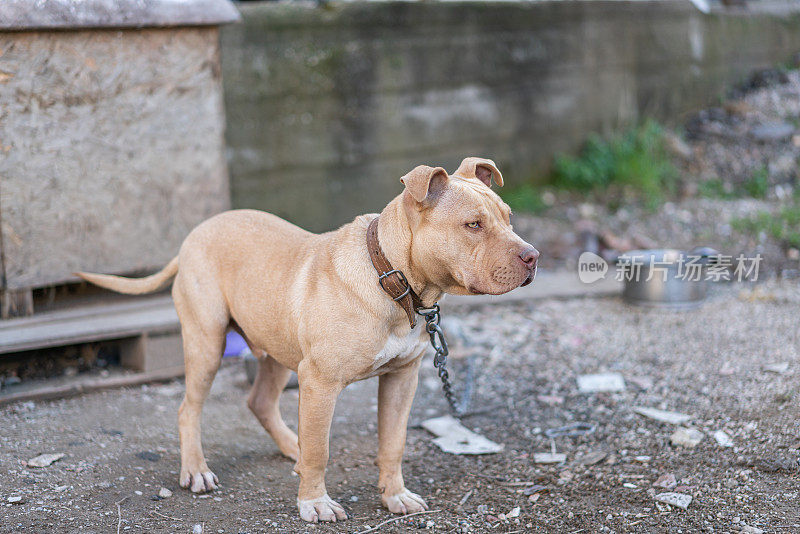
[
  {"x": 603, "y": 382},
  {"x": 455, "y": 438},
  {"x": 549, "y": 457},
  {"x": 663, "y": 416},
  {"x": 43, "y": 460},
  {"x": 686, "y": 437},
  {"x": 681, "y": 500},
  {"x": 722, "y": 439}
]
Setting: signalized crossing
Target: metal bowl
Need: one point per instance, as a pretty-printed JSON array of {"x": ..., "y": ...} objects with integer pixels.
[{"x": 665, "y": 278}]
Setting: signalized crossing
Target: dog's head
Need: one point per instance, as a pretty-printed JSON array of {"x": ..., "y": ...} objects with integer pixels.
[{"x": 462, "y": 239}]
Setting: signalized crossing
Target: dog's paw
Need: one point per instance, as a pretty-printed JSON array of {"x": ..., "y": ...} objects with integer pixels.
[
  {"x": 199, "y": 482},
  {"x": 320, "y": 509},
  {"x": 405, "y": 502}
]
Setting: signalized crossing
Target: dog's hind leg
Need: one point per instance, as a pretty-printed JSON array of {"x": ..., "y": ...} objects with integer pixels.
[
  {"x": 204, "y": 319},
  {"x": 263, "y": 402}
]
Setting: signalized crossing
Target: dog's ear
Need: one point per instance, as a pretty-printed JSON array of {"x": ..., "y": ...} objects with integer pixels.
[
  {"x": 425, "y": 182},
  {"x": 481, "y": 168}
]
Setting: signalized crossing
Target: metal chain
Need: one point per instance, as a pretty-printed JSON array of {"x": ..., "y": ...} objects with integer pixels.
[{"x": 439, "y": 345}]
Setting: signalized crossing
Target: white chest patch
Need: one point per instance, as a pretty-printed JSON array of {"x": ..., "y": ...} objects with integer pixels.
[{"x": 400, "y": 347}]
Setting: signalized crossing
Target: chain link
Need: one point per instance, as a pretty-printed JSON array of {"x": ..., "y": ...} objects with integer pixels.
[{"x": 439, "y": 344}]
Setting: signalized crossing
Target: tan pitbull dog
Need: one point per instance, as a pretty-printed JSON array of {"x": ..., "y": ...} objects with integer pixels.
[{"x": 312, "y": 303}]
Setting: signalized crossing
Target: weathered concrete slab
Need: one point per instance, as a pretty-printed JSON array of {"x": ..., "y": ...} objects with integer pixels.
[
  {"x": 111, "y": 149},
  {"x": 69, "y": 14},
  {"x": 327, "y": 108}
]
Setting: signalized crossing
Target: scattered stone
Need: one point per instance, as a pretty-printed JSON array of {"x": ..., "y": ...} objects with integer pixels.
[
  {"x": 549, "y": 457},
  {"x": 455, "y": 438},
  {"x": 550, "y": 400},
  {"x": 686, "y": 437},
  {"x": 681, "y": 500},
  {"x": 642, "y": 459},
  {"x": 137, "y": 492},
  {"x": 164, "y": 493},
  {"x": 482, "y": 508},
  {"x": 592, "y": 458},
  {"x": 513, "y": 513},
  {"x": 354, "y": 498},
  {"x": 197, "y": 529},
  {"x": 677, "y": 146},
  {"x": 664, "y": 416},
  {"x": 603, "y": 382},
  {"x": 629, "y": 485},
  {"x": 43, "y": 460},
  {"x": 775, "y": 465},
  {"x": 16, "y": 499},
  {"x": 747, "y": 529},
  {"x": 536, "y": 488},
  {"x": 642, "y": 382},
  {"x": 666, "y": 481},
  {"x": 150, "y": 456},
  {"x": 723, "y": 439},
  {"x": 772, "y": 131},
  {"x": 778, "y": 368}
]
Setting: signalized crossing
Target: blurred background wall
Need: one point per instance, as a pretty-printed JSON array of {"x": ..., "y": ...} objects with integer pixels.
[{"x": 328, "y": 106}]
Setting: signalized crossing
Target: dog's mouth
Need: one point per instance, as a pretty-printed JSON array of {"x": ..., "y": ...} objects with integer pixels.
[{"x": 529, "y": 278}]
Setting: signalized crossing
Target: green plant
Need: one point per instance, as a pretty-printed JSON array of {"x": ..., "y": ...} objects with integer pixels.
[
  {"x": 635, "y": 163},
  {"x": 525, "y": 198},
  {"x": 758, "y": 184},
  {"x": 783, "y": 226},
  {"x": 713, "y": 188}
]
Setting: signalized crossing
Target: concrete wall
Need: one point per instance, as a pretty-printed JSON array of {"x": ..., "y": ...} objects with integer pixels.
[
  {"x": 111, "y": 149},
  {"x": 327, "y": 107}
]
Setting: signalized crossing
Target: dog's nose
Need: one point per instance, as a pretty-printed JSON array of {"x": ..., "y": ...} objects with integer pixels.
[{"x": 529, "y": 256}]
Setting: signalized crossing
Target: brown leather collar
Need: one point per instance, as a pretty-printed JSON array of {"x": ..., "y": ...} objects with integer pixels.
[{"x": 391, "y": 280}]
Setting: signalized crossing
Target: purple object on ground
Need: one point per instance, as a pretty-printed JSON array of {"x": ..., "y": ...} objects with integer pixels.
[{"x": 234, "y": 344}]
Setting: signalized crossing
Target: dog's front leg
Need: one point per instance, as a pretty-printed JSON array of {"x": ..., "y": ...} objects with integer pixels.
[
  {"x": 317, "y": 400},
  {"x": 395, "y": 396}
]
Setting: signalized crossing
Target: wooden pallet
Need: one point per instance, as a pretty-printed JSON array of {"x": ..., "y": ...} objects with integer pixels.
[{"x": 147, "y": 328}]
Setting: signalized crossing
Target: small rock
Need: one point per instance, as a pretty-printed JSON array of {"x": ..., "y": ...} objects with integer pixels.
[
  {"x": 604, "y": 382},
  {"x": 747, "y": 529},
  {"x": 536, "y": 488},
  {"x": 642, "y": 459},
  {"x": 664, "y": 416},
  {"x": 197, "y": 529},
  {"x": 150, "y": 456},
  {"x": 164, "y": 493},
  {"x": 43, "y": 460},
  {"x": 642, "y": 382},
  {"x": 482, "y": 508},
  {"x": 677, "y": 146},
  {"x": 354, "y": 498},
  {"x": 681, "y": 500},
  {"x": 772, "y": 131},
  {"x": 15, "y": 499},
  {"x": 513, "y": 513},
  {"x": 686, "y": 437},
  {"x": 70, "y": 371},
  {"x": 629, "y": 485},
  {"x": 793, "y": 254},
  {"x": 723, "y": 439},
  {"x": 550, "y": 400},
  {"x": 778, "y": 368},
  {"x": 666, "y": 481},
  {"x": 592, "y": 458},
  {"x": 549, "y": 457},
  {"x": 137, "y": 492}
]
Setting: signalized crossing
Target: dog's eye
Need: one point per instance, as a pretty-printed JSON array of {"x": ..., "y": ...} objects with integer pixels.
[{"x": 473, "y": 225}]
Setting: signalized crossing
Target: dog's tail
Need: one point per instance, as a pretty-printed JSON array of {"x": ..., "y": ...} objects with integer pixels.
[{"x": 134, "y": 286}]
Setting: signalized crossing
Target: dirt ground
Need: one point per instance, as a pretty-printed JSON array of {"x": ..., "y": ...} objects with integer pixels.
[{"x": 713, "y": 363}]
